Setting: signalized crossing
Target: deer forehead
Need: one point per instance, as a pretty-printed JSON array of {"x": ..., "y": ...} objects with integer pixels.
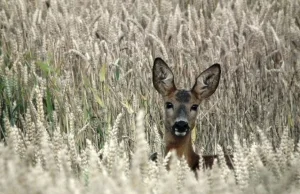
[{"x": 182, "y": 97}]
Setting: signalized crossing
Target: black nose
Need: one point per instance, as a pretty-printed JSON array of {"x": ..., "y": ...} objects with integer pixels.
[{"x": 181, "y": 126}]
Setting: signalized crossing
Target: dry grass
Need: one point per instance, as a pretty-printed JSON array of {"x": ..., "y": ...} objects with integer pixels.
[{"x": 74, "y": 75}]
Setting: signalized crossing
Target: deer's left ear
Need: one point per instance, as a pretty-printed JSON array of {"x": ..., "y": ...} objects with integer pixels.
[{"x": 207, "y": 82}]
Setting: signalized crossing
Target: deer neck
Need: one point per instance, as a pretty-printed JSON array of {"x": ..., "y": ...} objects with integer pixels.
[{"x": 184, "y": 148}]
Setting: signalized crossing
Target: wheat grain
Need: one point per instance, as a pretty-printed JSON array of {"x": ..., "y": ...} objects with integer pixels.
[{"x": 61, "y": 46}]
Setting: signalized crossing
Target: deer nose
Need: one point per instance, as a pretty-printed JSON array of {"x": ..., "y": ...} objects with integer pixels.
[{"x": 181, "y": 126}]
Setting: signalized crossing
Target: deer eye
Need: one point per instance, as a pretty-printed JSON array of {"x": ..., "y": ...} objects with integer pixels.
[
  {"x": 169, "y": 105},
  {"x": 194, "y": 107}
]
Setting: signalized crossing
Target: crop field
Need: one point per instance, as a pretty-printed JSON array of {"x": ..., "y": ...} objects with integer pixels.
[{"x": 79, "y": 113}]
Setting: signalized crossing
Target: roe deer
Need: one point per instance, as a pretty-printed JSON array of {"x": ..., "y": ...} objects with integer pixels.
[{"x": 181, "y": 108}]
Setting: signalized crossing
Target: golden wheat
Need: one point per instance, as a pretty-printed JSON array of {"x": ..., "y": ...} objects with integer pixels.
[{"x": 74, "y": 76}]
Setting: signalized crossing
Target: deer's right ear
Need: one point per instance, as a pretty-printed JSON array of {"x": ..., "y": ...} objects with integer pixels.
[{"x": 163, "y": 78}]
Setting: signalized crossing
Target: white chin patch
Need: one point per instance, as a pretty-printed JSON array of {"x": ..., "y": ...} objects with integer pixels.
[{"x": 181, "y": 134}]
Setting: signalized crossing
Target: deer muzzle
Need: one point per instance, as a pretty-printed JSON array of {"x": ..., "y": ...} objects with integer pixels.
[{"x": 180, "y": 128}]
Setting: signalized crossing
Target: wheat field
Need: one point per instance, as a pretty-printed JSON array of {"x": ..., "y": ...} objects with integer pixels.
[{"x": 79, "y": 113}]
